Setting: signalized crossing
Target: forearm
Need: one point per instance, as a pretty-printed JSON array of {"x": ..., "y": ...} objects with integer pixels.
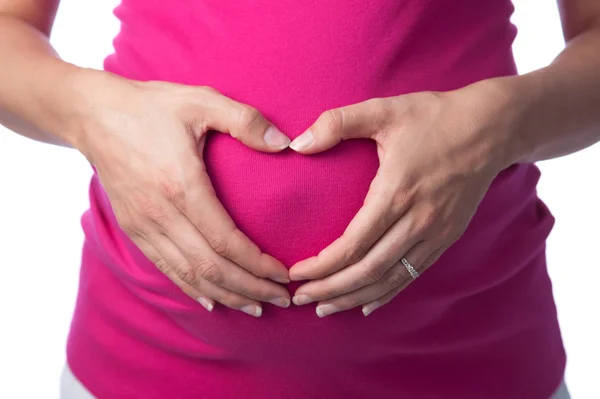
[
  {"x": 39, "y": 97},
  {"x": 554, "y": 111}
]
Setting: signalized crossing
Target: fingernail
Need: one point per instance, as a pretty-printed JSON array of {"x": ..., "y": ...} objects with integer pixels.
[
  {"x": 274, "y": 138},
  {"x": 281, "y": 302},
  {"x": 326, "y": 310},
  {"x": 369, "y": 308},
  {"x": 281, "y": 280},
  {"x": 303, "y": 141},
  {"x": 205, "y": 303},
  {"x": 300, "y": 300},
  {"x": 252, "y": 310}
]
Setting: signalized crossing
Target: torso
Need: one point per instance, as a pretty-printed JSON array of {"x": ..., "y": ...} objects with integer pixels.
[{"x": 461, "y": 331}]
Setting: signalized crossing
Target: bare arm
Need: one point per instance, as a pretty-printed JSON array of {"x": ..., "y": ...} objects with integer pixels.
[
  {"x": 438, "y": 155},
  {"x": 555, "y": 111},
  {"x": 150, "y": 164},
  {"x": 35, "y": 85}
]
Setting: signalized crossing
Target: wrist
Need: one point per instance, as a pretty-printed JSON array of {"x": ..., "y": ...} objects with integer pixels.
[
  {"x": 506, "y": 103},
  {"x": 81, "y": 103},
  {"x": 73, "y": 104}
]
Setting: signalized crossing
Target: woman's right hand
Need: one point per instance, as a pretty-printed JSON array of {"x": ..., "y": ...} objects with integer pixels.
[{"x": 146, "y": 140}]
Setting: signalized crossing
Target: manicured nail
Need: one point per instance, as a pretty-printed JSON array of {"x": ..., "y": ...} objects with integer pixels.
[
  {"x": 300, "y": 300},
  {"x": 205, "y": 303},
  {"x": 369, "y": 308},
  {"x": 303, "y": 141},
  {"x": 252, "y": 310},
  {"x": 281, "y": 302},
  {"x": 274, "y": 138},
  {"x": 326, "y": 310}
]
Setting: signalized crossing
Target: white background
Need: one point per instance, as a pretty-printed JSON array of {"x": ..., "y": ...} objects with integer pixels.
[{"x": 43, "y": 192}]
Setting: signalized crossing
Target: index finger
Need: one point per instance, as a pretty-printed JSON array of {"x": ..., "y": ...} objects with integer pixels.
[
  {"x": 361, "y": 120},
  {"x": 205, "y": 211},
  {"x": 370, "y": 223}
]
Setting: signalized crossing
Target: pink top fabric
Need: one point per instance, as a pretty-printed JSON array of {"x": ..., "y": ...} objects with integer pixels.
[{"x": 479, "y": 324}]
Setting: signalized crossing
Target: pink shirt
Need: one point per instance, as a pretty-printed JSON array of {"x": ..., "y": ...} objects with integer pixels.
[{"x": 481, "y": 323}]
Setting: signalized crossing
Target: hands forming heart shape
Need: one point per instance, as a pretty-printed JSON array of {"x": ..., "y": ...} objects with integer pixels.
[{"x": 438, "y": 154}]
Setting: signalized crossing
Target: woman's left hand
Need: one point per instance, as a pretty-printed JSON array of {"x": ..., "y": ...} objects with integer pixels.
[{"x": 438, "y": 154}]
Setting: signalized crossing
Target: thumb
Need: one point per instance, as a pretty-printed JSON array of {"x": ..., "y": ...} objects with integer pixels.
[
  {"x": 362, "y": 120},
  {"x": 254, "y": 130},
  {"x": 246, "y": 124}
]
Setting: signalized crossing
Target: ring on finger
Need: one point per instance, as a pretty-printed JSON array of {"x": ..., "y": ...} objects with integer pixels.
[{"x": 413, "y": 272}]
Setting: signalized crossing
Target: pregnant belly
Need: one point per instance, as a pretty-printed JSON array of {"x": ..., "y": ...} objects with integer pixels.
[{"x": 291, "y": 205}]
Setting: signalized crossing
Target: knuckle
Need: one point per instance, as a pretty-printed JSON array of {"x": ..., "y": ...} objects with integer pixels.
[
  {"x": 386, "y": 111},
  {"x": 161, "y": 265},
  {"x": 412, "y": 111},
  {"x": 219, "y": 243},
  {"x": 249, "y": 116},
  {"x": 333, "y": 120},
  {"x": 173, "y": 191},
  {"x": 425, "y": 220},
  {"x": 400, "y": 203},
  {"x": 382, "y": 112},
  {"x": 356, "y": 252},
  {"x": 372, "y": 274},
  {"x": 208, "y": 270},
  {"x": 186, "y": 273},
  {"x": 154, "y": 213},
  {"x": 396, "y": 279},
  {"x": 429, "y": 216}
]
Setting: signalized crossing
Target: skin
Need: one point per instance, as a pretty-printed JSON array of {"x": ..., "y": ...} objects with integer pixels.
[
  {"x": 438, "y": 154},
  {"x": 149, "y": 163}
]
